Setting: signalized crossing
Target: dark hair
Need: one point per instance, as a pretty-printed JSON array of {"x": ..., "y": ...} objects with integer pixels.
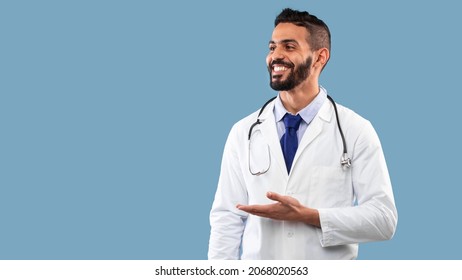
[{"x": 319, "y": 34}]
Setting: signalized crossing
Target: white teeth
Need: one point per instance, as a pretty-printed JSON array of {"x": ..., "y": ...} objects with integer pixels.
[{"x": 280, "y": 68}]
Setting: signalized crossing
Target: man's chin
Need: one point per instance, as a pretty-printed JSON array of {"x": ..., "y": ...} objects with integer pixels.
[{"x": 280, "y": 86}]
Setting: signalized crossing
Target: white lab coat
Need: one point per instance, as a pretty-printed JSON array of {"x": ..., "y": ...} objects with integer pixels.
[{"x": 355, "y": 205}]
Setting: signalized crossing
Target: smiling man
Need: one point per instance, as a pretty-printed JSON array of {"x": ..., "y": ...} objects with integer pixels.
[{"x": 301, "y": 178}]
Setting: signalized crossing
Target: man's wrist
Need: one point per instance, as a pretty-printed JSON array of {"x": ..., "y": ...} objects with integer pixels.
[{"x": 311, "y": 217}]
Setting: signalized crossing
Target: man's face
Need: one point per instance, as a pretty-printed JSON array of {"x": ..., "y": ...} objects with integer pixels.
[{"x": 289, "y": 60}]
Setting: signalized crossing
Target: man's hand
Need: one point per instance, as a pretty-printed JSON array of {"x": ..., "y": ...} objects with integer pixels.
[{"x": 286, "y": 208}]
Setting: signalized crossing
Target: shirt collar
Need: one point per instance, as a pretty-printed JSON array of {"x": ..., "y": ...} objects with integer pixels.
[{"x": 308, "y": 113}]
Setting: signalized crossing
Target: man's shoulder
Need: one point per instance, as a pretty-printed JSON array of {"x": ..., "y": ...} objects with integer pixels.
[
  {"x": 348, "y": 113},
  {"x": 353, "y": 124}
]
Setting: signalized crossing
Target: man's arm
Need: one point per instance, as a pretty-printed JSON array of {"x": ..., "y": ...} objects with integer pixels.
[
  {"x": 227, "y": 222},
  {"x": 375, "y": 217}
]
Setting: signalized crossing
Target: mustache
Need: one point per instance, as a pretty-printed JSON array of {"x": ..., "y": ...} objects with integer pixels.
[{"x": 282, "y": 62}]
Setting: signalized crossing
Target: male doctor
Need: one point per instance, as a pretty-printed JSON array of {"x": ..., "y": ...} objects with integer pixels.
[{"x": 283, "y": 192}]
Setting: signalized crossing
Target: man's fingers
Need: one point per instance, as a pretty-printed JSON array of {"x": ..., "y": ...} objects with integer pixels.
[
  {"x": 259, "y": 210},
  {"x": 251, "y": 208},
  {"x": 276, "y": 197}
]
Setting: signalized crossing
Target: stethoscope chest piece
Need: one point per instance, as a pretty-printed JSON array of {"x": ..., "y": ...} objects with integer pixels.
[{"x": 345, "y": 161}]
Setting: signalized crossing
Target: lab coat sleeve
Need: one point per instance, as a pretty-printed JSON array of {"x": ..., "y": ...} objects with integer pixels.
[
  {"x": 375, "y": 216},
  {"x": 226, "y": 221}
]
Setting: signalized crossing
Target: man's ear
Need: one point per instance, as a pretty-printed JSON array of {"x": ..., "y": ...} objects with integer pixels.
[{"x": 322, "y": 58}]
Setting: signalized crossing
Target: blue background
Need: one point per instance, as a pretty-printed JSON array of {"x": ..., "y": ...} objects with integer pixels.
[{"x": 114, "y": 114}]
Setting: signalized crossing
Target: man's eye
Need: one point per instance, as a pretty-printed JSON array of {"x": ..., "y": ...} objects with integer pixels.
[
  {"x": 289, "y": 47},
  {"x": 272, "y": 48}
]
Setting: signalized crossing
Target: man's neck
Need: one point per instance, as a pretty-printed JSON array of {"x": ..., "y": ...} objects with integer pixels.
[{"x": 298, "y": 98}]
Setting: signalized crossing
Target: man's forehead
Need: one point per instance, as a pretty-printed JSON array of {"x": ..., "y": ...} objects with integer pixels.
[{"x": 289, "y": 31}]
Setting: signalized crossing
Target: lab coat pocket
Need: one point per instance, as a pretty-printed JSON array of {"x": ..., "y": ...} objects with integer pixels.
[{"x": 331, "y": 187}]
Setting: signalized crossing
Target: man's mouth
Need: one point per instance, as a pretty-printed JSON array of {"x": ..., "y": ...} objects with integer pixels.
[{"x": 278, "y": 70}]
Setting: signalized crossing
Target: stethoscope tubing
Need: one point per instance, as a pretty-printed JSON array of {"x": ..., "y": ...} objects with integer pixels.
[{"x": 345, "y": 161}]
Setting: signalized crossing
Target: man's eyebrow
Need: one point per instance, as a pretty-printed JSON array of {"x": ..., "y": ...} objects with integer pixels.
[{"x": 285, "y": 41}]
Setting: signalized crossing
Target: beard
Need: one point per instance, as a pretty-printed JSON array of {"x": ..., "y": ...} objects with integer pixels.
[{"x": 296, "y": 76}]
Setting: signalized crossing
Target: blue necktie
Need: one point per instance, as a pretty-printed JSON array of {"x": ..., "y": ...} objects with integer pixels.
[{"x": 289, "y": 141}]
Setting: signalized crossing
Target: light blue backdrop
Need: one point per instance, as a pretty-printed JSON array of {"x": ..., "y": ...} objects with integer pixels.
[{"x": 114, "y": 114}]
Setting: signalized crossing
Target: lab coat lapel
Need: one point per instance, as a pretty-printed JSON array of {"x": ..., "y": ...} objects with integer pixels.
[
  {"x": 270, "y": 134},
  {"x": 314, "y": 128}
]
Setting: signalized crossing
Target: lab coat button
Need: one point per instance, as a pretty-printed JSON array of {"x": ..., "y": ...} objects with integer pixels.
[{"x": 290, "y": 234}]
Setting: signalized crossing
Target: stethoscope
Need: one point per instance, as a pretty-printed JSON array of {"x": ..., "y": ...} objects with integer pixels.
[{"x": 345, "y": 161}]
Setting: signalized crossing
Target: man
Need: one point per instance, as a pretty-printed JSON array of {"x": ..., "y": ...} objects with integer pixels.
[{"x": 283, "y": 192}]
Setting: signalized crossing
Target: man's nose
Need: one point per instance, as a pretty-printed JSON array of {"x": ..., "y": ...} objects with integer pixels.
[{"x": 277, "y": 54}]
